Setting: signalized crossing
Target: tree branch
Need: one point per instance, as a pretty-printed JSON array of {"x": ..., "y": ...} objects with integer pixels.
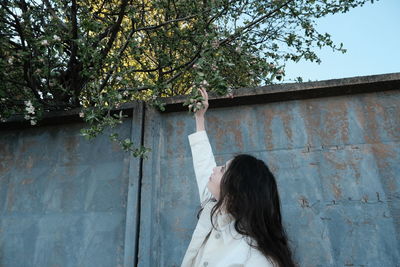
[
  {"x": 54, "y": 15},
  {"x": 114, "y": 29},
  {"x": 251, "y": 25}
]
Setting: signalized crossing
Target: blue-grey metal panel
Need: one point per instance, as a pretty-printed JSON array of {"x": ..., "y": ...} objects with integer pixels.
[
  {"x": 63, "y": 199},
  {"x": 336, "y": 161},
  {"x": 133, "y": 200}
]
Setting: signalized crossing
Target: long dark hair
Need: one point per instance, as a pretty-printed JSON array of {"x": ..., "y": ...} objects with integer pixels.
[{"x": 249, "y": 193}]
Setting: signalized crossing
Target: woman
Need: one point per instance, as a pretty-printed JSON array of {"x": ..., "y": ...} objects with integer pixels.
[{"x": 240, "y": 221}]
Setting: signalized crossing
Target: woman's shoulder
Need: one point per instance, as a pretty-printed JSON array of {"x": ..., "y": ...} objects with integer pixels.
[{"x": 256, "y": 258}]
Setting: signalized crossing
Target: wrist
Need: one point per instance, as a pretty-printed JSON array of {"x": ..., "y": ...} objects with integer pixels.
[
  {"x": 200, "y": 123},
  {"x": 199, "y": 117}
]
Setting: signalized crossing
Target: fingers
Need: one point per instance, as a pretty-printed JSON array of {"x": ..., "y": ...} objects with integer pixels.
[{"x": 204, "y": 93}]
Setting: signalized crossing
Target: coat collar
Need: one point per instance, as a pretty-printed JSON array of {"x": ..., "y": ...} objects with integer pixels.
[
  {"x": 223, "y": 219},
  {"x": 225, "y": 225},
  {"x": 223, "y": 222}
]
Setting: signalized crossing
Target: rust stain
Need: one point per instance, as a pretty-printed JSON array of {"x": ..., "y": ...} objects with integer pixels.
[
  {"x": 27, "y": 181},
  {"x": 365, "y": 113},
  {"x": 310, "y": 111},
  {"x": 180, "y": 127},
  {"x": 332, "y": 158},
  {"x": 226, "y": 127},
  {"x": 336, "y": 122},
  {"x": 29, "y": 163},
  {"x": 286, "y": 119},
  {"x": 178, "y": 227},
  {"x": 268, "y": 115},
  {"x": 354, "y": 165},
  {"x": 381, "y": 153},
  {"x": 237, "y": 133},
  {"x": 364, "y": 198},
  {"x": 303, "y": 202},
  {"x": 180, "y": 146},
  {"x": 250, "y": 126},
  {"x": 71, "y": 144},
  {"x": 6, "y": 158},
  {"x": 337, "y": 191},
  {"x": 220, "y": 133},
  {"x": 168, "y": 132},
  {"x": 169, "y": 129},
  {"x": 26, "y": 145},
  {"x": 391, "y": 116}
]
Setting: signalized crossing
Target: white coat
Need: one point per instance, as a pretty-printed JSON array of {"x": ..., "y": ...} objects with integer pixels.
[{"x": 224, "y": 247}]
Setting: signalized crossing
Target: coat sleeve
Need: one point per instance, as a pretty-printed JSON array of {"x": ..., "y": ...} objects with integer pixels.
[{"x": 203, "y": 161}]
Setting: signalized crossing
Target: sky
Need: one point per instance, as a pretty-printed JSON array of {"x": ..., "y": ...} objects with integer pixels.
[{"x": 371, "y": 35}]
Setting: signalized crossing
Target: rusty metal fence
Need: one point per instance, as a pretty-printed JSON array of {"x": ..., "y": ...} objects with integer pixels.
[{"x": 334, "y": 147}]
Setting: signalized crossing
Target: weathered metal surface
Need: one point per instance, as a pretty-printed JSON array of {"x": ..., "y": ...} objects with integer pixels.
[
  {"x": 336, "y": 160},
  {"x": 295, "y": 91},
  {"x": 63, "y": 199}
]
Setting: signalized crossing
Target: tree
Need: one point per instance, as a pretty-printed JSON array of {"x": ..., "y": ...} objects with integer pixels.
[{"x": 96, "y": 55}]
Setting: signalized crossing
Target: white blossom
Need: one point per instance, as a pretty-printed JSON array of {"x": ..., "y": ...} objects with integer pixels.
[
  {"x": 44, "y": 42},
  {"x": 204, "y": 83},
  {"x": 229, "y": 92},
  {"x": 29, "y": 107},
  {"x": 56, "y": 38},
  {"x": 30, "y": 110},
  {"x": 33, "y": 122},
  {"x": 238, "y": 49},
  {"x": 195, "y": 66},
  {"x": 184, "y": 25},
  {"x": 119, "y": 78},
  {"x": 81, "y": 114},
  {"x": 27, "y": 117}
]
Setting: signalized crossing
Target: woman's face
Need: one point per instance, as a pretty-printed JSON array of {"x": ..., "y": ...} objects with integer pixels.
[{"x": 214, "y": 182}]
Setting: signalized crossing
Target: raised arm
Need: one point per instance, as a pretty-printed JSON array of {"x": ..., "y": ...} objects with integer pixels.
[{"x": 202, "y": 154}]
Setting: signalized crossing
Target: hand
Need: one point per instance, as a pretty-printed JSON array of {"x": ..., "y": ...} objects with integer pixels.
[{"x": 202, "y": 111}]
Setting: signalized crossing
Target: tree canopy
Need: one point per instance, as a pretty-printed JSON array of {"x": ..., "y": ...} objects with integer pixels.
[{"x": 96, "y": 55}]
